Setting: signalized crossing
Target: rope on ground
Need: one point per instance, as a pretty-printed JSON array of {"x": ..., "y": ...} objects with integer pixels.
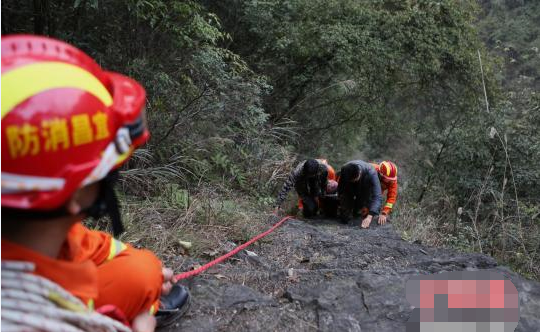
[
  {"x": 233, "y": 252},
  {"x": 33, "y": 303}
]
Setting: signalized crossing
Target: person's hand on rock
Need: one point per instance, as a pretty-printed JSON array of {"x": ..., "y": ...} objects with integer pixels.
[
  {"x": 382, "y": 219},
  {"x": 366, "y": 221}
]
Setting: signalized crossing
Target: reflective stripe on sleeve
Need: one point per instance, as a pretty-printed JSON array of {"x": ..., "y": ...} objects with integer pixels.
[
  {"x": 90, "y": 304},
  {"x": 116, "y": 248}
]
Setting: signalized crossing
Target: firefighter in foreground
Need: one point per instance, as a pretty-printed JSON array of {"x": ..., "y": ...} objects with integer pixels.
[
  {"x": 359, "y": 187},
  {"x": 310, "y": 179},
  {"x": 387, "y": 171},
  {"x": 67, "y": 125}
]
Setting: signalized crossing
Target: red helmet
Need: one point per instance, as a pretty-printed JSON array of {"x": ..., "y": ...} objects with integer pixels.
[
  {"x": 66, "y": 123},
  {"x": 388, "y": 170}
]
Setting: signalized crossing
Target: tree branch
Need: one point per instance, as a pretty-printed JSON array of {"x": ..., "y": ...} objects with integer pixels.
[
  {"x": 175, "y": 122},
  {"x": 438, "y": 158}
]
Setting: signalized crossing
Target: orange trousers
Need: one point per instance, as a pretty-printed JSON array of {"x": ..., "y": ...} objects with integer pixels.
[{"x": 99, "y": 270}]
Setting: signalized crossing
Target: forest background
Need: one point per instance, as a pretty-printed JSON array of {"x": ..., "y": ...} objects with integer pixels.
[{"x": 240, "y": 90}]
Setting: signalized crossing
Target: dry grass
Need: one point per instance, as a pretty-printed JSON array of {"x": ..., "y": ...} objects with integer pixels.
[
  {"x": 501, "y": 235},
  {"x": 207, "y": 219},
  {"x": 416, "y": 226}
]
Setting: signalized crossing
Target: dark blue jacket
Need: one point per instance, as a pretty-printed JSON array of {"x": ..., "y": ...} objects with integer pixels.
[{"x": 369, "y": 179}]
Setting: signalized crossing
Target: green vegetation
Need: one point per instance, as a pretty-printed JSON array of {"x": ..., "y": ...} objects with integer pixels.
[
  {"x": 511, "y": 31},
  {"x": 240, "y": 89},
  {"x": 481, "y": 184}
]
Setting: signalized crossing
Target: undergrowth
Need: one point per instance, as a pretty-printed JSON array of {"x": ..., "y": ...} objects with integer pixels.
[
  {"x": 206, "y": 220},
  {"x": 511, "y": 242}
]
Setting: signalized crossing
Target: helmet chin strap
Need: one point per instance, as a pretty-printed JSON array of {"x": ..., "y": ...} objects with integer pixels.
[{"x": 107, "y": 204}]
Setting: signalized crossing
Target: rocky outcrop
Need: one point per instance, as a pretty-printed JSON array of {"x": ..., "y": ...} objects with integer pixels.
[{"x": 323, "y": 276}]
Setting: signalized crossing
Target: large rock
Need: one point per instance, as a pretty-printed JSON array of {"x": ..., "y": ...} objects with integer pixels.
[{"x": 324, "y": 276}]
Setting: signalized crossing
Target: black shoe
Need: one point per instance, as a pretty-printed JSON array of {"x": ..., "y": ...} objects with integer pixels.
[{"x": 173, "y": 305}]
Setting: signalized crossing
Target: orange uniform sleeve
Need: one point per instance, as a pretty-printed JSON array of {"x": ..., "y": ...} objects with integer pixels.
[
  {"x": 131, "y": 281},
  {"x": 331, "y": 173},
  {"x": 85, "y": 244},
  {"x": 391, "y": 197},
  {"x": 128, "y": 278}
]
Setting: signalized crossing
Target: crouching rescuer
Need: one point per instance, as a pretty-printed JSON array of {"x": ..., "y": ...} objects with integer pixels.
[
  {"x": 67, "y": 125},
  {"x": 359, "y": 187},
  {"x": 310, "y": 179},
  {"x": 387, "y": 171}
]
